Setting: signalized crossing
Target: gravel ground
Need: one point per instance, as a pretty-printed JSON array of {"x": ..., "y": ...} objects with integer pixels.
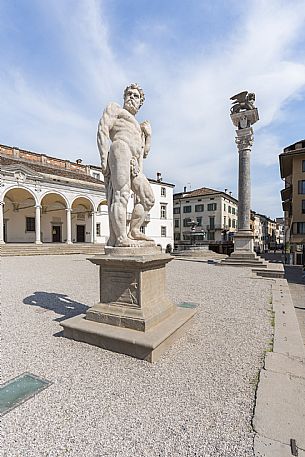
[{"x": 196, "y": 401}]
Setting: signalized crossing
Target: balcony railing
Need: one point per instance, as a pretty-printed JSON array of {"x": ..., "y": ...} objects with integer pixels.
[{"x": 286, "y": 193}]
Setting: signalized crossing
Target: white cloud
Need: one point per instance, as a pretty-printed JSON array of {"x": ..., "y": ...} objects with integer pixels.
[{"x": 187, "y": 100}]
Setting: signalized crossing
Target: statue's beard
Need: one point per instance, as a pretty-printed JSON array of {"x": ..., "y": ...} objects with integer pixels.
[{"x": 130, "y": 105}]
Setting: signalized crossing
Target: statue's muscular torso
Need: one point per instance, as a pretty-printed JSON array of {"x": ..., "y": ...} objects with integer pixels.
[{"x": 126, "y": 128}]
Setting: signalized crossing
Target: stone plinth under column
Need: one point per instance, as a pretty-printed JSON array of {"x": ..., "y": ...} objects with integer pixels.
[
  {"x": 243, "y": 242},
  {"x": 244, "y": 254},
  {"x": 134, "y": 316}
]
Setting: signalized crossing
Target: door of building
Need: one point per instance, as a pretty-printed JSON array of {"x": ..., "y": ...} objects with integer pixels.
[
  {"x": 56, "y": 233},
  {"x": 4, "y": 232},
  {"x": 80, "y": 233}
]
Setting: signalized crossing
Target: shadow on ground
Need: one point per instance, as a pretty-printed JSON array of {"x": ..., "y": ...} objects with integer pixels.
[
  {"x": 294, "y": 274},
  {"x": 59, "y": 303}
]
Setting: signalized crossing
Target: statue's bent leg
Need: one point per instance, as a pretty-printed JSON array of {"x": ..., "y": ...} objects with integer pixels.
[
  {"x": 144, "y": 201},
  {"x": 108, "y": 185},
  {"x": 119, "y": 164}
]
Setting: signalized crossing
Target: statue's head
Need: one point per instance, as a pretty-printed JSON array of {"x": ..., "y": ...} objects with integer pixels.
[{"x": 133, "y": 98}]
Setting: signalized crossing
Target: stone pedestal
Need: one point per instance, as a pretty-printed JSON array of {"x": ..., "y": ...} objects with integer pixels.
[{"x": 133, "y": 316}]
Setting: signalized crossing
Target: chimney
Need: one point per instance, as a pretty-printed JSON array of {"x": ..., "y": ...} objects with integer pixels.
[
  {"x": 226, "y": 190},
  {"x": 230, "y": 193},
  {"x": 79, "y": 161},
  {"x": 184, "y": 189},
  {"x": 159, "y": 177}
]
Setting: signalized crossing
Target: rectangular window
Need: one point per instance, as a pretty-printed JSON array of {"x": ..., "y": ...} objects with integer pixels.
[
  {"x": 224, "y": 207},
  {"x": 177, "y": 236},
  {"x": 212, "y": 206},
  {"x": 225, "y": 221},
  {"x": 199, "y": 221},
  {"x": 233, "y": 223},
  {"x": 96, "y": 175},
  {"x": 299, "y": 228},
  {"x": 142, "y": 229},
  {"x": 186, "y": 222},
  {"x": 229, "y": 209},
  {"x": 230, "y": 225},
  {"x": 30, "y": 224},
  {"x": 301, "y": 187},
  {"x": 98, "y": 229},
  {"x": 176, "y": 223},
  {"x": 303, "y": 206},
  {"x": 233, "y": 210},
  {"x": 212, "y": 223},
  {"x": 187, "y": 209},
  {"x": 176, "y": 210},
  {"x": 163, "y": 211},
  {"x": 199, "y": 208},
  {"x": 303, "y": 165},
  {"x": 163, "y": 191},
  {"x": 163, "y": 231}
]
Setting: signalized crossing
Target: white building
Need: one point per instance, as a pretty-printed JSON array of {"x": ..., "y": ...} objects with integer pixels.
[
  {"x": 214, "y": 211},
  {"x": 48, "y": 200}
]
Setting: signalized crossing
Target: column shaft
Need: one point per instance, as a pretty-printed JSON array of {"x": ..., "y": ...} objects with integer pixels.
[
  {"x": 69, "y": 232},
  {"x": 1, "y": 223},
  {"x": 244, "y": 190},
  {"x": 37, "y": 224},
  {"x": 93, "y": 230}
]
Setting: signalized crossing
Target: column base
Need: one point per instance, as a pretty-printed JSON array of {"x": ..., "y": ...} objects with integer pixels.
[
  {"x": 244, "y": 255},
  {"x": 38, "y": 242},
  {"x": 243, "y": 242},
  {"x": 69, "y": 242}
]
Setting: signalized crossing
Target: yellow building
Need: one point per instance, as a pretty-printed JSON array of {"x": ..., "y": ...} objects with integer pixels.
[{"x": 292, "y": 166}]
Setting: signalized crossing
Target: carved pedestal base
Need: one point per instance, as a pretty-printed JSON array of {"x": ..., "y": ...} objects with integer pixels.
[{"x": 134, "y": 316}]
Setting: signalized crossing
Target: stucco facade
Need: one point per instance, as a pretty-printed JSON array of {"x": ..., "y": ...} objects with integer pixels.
[{"x": 214, "y": 211}]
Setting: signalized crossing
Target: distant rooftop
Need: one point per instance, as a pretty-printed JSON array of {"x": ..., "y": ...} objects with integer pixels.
[
  {"x": 295, "y": 146},
  {"x": 43, "y": 163},
  {"x": 201, "y": 192}
]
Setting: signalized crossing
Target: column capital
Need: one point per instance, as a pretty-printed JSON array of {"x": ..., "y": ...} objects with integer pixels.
[
  {"x": 68, "y": 209},
  {"x": 244, "y": 139},
  {"x": 38, "y": 206}
]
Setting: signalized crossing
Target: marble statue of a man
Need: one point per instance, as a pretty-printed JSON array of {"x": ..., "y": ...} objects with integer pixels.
[{"x": 122, "y": 166}]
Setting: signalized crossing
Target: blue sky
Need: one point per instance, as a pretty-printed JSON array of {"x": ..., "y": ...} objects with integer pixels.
[{"x": 63, "y": 61}]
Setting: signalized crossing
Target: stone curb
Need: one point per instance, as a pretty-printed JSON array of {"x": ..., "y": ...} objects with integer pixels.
[{"x": 279, "y": 414}]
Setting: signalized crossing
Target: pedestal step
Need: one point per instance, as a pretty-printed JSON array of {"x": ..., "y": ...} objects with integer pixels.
[
  {"x": 147, "y": 345},
  {"x": 31, "y": 249},
  {"x": 243, "y": 262}
]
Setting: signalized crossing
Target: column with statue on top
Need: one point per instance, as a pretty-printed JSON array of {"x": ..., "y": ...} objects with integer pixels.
[{"x": 244, "y": 115}]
